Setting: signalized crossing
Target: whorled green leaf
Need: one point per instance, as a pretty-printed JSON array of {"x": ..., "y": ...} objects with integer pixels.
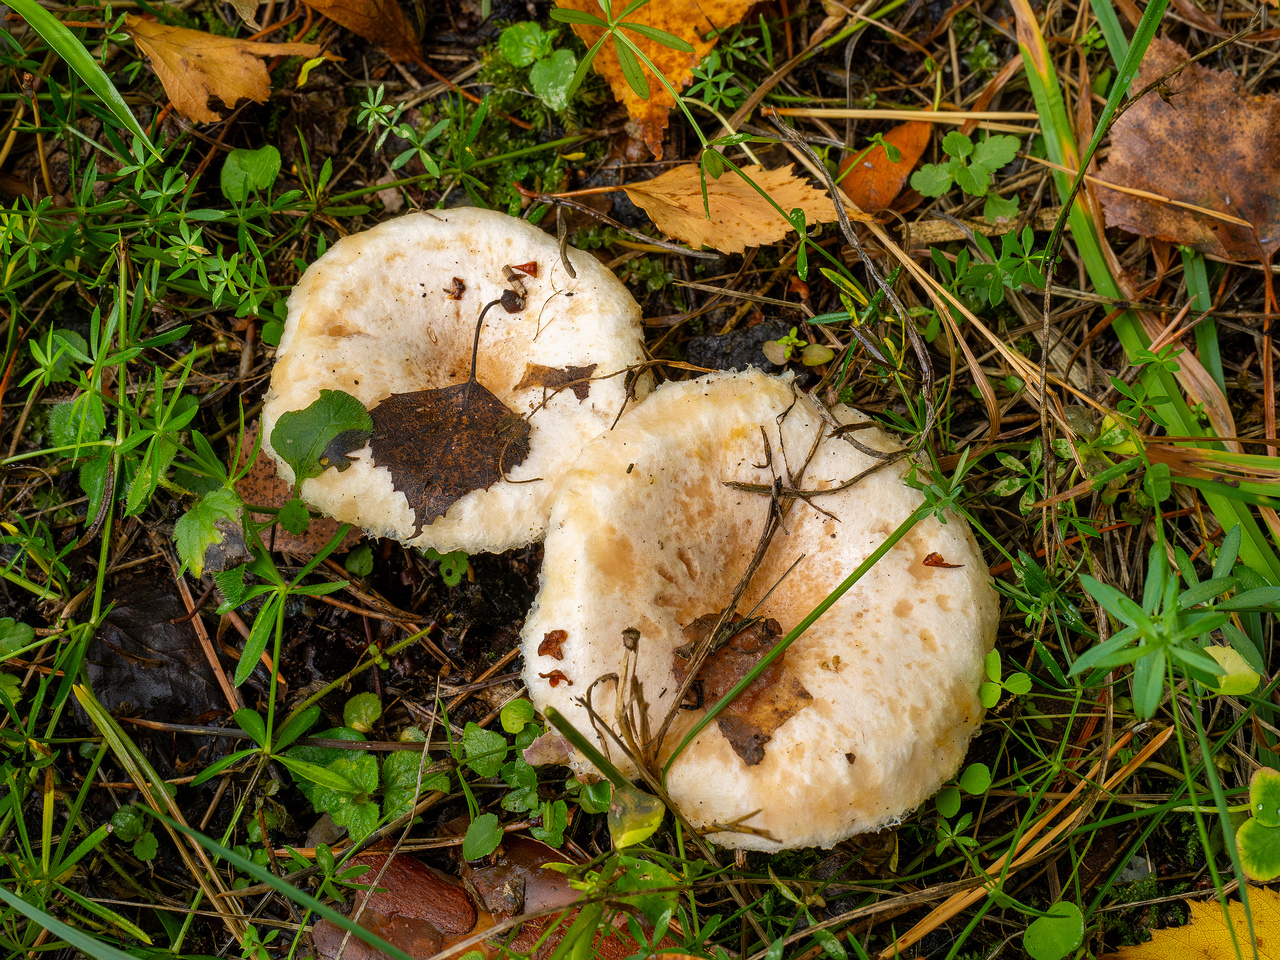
[{"x": 64, "y": 43}]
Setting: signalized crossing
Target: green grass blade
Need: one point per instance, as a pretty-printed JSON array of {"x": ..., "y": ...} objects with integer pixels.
[
  {"x": 64, "y": 43},
  {"x": 302, "y": 899},
  {"x": 1109, "y": 24},
  {"x": 1193, "y": 268},
  {"x": 89, "y": 945},
  {"x": 1256, "y": 549}
]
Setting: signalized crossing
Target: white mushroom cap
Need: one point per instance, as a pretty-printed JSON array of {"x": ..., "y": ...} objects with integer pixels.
[
  {"x": 373, "y": 317},
  {"x": 646, "y": 535}
]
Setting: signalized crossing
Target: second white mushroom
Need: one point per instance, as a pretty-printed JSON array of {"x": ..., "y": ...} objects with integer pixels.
[{"x": 868, "y": 713}]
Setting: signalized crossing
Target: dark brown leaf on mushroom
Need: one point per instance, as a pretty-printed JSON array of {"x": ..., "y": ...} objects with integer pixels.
[
  {"x": 576, "y": 379},
  {"x": 550, "y": 645},
  {"x": 556, "y": 677},
  {"x": 767, "y": 703},
  {"x": 441, "y": 444},
  {"x": 531, "y": 268},
  {"x": 336, "y": 450},
  {"x": 935, "y": 560},
  {"x": 456, "y": 289}
]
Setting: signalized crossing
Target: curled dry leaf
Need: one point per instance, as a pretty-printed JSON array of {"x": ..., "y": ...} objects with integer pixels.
[
  {"x": 550, "y": 645},
  {"x": 379, "y": 21},
  {"x": 194, "y": 66},
  {"x": 691, "y": 22},
  {"x": 875, "y": 181},
  {"x": 576, "y": 379},
  {"x": 740, "y": 216},
  {"x": 1213, "y": 145}
]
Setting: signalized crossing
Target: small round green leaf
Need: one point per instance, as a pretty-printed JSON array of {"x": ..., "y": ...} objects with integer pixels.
[
  {"x": 245, "y": 171},
  {"x": 948, "y": 801},
  {"x": 146, "y": 846},
  {"x": 1018, "y": 684},
  {"x": 127, "y": 823},
  {"x": 482, "y": 838},
  {"x": 361, "y": 712},
  {"x": 992, "y": 664},
  {"x": 552, "y": 78},
  {"x": 976, "y": 778},
  {"x": 1264, "y": 796},
  {"x": 516, "y": 714},
  {"x": 989, "y": 694},
  {"x": 1259, "y": 850},
  {"x": 634, "y": 816},
  {"x": 1054, "y": 936},
  {"x": 1237, "y": 676},
  {"x": 523, "y": 43},
  {"x": 360, "y": 561}
]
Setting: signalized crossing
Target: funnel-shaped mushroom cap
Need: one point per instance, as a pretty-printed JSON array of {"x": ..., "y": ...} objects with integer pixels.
[
  {"x": 394, "y": 310},
  {"x": 871, "y": 709}
]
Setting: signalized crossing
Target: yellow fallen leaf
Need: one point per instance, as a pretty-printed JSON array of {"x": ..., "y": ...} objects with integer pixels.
[
  {"x": 381, "y": 22},
  {"x": 1206, "y": 937},
  {"x": 194, "y": 66},
  {"x": 691, "y": 22},
  {"x": 740, "y": 217},
  {"x": 1238, "y": 677}
]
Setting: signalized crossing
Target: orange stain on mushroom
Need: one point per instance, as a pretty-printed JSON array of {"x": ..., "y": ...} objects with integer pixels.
[{"x": 615, "y": 556}]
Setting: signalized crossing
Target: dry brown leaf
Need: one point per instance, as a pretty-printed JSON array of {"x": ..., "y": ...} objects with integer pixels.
[
  {"x": 876, "y": 181},
  {"x": 379, "y": 21},
  {"x": 740, "y": 217},
  {"x": 1213, "y": 144},
  {"x": 1206, "y": 937},
  {"x": 194, "y": 66},
  {"x": 769, "y": 701},
  {"x": 688, "y": 21},
  {"x": 263, "y": 487}
]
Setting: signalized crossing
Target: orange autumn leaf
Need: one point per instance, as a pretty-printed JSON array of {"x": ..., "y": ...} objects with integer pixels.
[
  {"x": 875, "y": 181},
  {"x": 194, "y": 66},
  {"x": 381, "y": 22},
  {"x": 1206, "y": 937},
  {"x": 1212, "y": 145},
  {"x": 740, "y": 217},
  {"x": 691, "y": 22}
]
